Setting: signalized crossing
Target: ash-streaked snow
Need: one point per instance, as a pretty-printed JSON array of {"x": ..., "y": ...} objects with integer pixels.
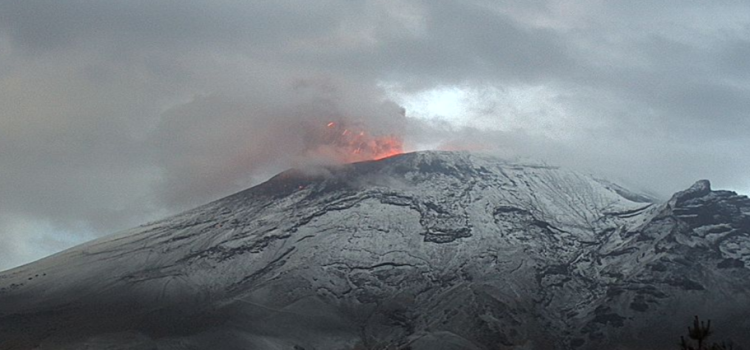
[{"x": 427, "y": 250}]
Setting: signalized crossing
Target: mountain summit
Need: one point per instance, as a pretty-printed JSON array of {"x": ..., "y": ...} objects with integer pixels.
[{"x": 422, "y": 251}]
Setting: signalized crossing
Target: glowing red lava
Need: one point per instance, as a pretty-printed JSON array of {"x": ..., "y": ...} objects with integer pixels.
[{"x": 355, "y": 144}]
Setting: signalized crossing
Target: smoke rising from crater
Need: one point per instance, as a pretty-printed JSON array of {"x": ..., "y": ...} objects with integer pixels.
[{"x": 217, "y": 144}]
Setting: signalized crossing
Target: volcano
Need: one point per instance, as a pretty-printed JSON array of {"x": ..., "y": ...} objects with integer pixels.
[{"x": 421, "y": 251}]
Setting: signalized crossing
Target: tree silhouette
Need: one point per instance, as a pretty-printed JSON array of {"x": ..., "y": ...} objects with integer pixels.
[{"x": 699, "y": 333}]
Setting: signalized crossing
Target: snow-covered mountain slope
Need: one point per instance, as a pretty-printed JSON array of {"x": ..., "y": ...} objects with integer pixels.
[{"x": 428, "y": 250}]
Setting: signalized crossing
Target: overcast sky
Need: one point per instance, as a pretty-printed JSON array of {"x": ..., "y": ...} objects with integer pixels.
[{"x": 119, "y": 112}]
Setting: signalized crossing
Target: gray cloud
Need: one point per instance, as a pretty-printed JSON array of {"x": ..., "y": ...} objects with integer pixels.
[
  {"x": 213, "y": 144},
  {"x": 115, "y": 113}
]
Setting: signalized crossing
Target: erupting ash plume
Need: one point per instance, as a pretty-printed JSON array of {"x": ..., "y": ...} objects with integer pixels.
[
  {"x": 352, "y": 143},
  {"x": 222, "y": 143}
]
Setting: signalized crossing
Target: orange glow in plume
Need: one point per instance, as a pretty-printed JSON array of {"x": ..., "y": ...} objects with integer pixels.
[{"x": 354, "y": 144}]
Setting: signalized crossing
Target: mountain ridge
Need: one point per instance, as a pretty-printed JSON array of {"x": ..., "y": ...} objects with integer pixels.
[{"x": 422, "y": 250}]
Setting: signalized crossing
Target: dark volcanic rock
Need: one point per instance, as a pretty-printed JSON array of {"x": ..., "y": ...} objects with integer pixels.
[{"x": 430, "y": 250}]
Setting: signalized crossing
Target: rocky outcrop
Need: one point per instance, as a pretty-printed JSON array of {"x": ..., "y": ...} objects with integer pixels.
[{"x": 429, "y": 250}]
